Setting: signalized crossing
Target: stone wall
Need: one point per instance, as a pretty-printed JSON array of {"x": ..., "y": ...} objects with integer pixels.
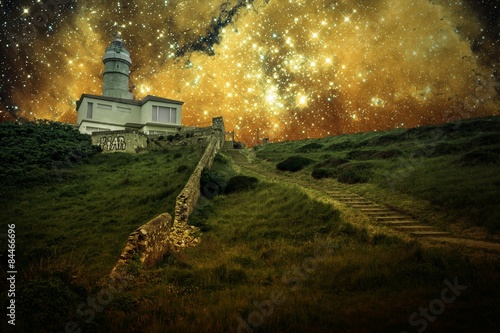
[
  {"x": 155, "y": 238},
  {"x": 120, "y": 141},
  {"x": 148, "y": 242},
  {"x": 187, "y": 137},
  {"x": 186, "y": 200}
]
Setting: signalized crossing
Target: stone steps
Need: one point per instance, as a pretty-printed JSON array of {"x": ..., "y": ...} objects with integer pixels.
[
  {"x": 430, "y": 234},
  {"x": 414, "y": 227},
  {"x": 384, "y": 215},
  {"x": 399, "y": 223}
]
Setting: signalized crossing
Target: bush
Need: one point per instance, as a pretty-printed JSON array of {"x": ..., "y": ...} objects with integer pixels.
[
  {"x": 332, "y": 162},
  {"x": 181, "y": 168},
  {"x": 482, "y": 140},
  {"x": 480, "y": 157},
  {"x": 37, "y": 150},
  {"x": 211, "y": 184},
  {"x": 436, "y": 149},
  {"x": 321, "y": 173},
  {"x": 387, "y": 139},
  {"x": 294, "y": 163},
  {"x": 240, "y": 183},
  {"x": 342, "y": 145},
  {"x": 353, "y": 173},
  {"x": 309, "y": 147}
]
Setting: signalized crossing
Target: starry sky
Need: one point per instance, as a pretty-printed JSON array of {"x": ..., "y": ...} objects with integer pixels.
[{"x": 289, "y": 69}]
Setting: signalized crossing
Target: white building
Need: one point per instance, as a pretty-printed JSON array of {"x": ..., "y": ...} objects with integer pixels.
[{"x": 117, "y": 110}]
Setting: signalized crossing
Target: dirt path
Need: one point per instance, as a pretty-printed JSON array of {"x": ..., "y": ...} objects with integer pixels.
[{"x": 377, "y": 214}]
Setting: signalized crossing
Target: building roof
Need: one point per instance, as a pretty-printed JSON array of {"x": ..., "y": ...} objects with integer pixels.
[{"x": 141, "y": 102}]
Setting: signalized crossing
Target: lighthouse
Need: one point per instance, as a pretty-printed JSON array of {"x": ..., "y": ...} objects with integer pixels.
[
  {"x": 117, "y": 110},
  {"x": 117, "y": 63}
]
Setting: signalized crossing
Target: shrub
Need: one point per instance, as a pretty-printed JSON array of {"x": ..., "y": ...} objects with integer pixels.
[
  {"x": 480, "y": 157},
  {"x": 211, "y": 184},
  {"x": 353, "y": 173},
  {"x": 240, "y": 183},
  {"x": 170, "y": 138},
  {"x": 361, "y": 154},
  {"x": 384, "y": 154},
  {"x": 37, "y": 150},
  {"x": 309, "y": 147},
  {"x": 486, "y": 139},
  {"x": 436, "y": 149},
  {"x": 294, "y": 163},
  {"x": 342, "y": 145},
  {"x": 332, "y": 162},
  {"x": 181, "y": 168},
  {"x": 386, "y": 139},
  {"x": 321, "y": 173}
]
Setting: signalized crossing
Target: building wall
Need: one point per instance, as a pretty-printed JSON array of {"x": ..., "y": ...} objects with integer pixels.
[
  {"x": 155, "y": 129},
  {"x": 147, "y": 112},
  {"x": 109, "y": 112},
  {"x": 116, "y": 79},
  {"x": 89, "y": 127}
]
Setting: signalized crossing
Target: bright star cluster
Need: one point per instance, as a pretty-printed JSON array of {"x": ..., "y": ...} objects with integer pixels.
[{"x": 288, "y": 69}]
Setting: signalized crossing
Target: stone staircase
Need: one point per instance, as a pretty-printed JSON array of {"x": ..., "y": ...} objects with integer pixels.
[
  {"x": 385, "y": 216},
  {"x": 379, "y": 214}
]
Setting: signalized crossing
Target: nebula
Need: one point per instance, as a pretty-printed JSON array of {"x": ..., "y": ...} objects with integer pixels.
[{"x": 285, "y": 69}]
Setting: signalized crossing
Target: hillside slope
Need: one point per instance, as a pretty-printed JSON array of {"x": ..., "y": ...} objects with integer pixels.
[{"x": 450, "y": 170}]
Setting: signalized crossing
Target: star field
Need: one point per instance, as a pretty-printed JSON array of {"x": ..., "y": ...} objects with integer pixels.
[{"x": 288, "y": 68}]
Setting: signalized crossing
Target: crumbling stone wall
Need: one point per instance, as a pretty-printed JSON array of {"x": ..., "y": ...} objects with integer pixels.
[
  {"x": 197, "y": 137},
  {"x": 155, "y": 238},
  {"x": 127, "y": 141},
  {"x": 148, "y": 242},
  {"x": 186, "y": 200}
]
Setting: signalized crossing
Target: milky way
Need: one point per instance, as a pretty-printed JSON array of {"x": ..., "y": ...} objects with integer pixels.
[{"x": 289, "y": 69}]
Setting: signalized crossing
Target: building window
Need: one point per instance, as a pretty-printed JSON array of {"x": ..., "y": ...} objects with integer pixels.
[
  {"x": 164, "y": 114},
  {"x": 123, "y": 109},
  {"x": 90, "y": 110},
  {"x": 104, "y": 106}
]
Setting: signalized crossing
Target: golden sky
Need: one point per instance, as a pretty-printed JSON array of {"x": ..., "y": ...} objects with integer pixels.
[{"x": 288, "y": 68}]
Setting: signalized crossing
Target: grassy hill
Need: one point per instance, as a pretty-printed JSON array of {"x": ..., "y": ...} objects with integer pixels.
[
  {"x": 74, "y": 209},
  {"x": 450, "y": 170},
  {"x": 271, "y": 258}
]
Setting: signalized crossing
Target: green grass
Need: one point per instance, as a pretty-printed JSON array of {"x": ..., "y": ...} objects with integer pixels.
[
  {"x": 453, "y": 167},
  {"x": 265, "y": 241},
  {"x": 89, "y": 212},
  {"x": 273, "y": 242}
]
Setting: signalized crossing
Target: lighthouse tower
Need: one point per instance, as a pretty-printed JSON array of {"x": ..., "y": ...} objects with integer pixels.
[{"x": 117, "y": 71}]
